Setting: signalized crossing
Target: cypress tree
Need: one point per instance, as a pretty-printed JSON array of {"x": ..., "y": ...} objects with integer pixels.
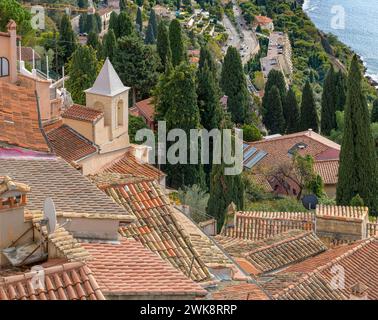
[
  {"x": 82, "y": 69},
  {"x": 109, "y": 46},
  {"x": 273, "y": 116},
  {"x": 328, "y": 115},
  {"x": 113, "y": 23},
  {"x": 125, "y": 25},
  {"x": 374, "y": 112},
  {"x": 94, "y": 42},
  {"x": 176, "y": 42},
  {"x": 224, "y": 189},
  {"x": 291, "y": 112},
  {"x": 139, "y": 20},
  {"x": 153, "y": 22},
  {"x": 276, "y": 78},
  {"x": 234, "y": 85},
  {"x": 150, "y": 38},
  {"x": 139, "y": 3},
  {"x": 207, "y": 58},
  {"x": 340, "y": 91},
  {"x": 82, "y": 23},
  {"x": 309, "y": 116},
  {"x": 183, "y": 113},
  {"x": 122, "y": 5},
  {"x": 66, "y": 41},
  {"x": 358, "y": 163},
  {"x": 162, "y": 44}
]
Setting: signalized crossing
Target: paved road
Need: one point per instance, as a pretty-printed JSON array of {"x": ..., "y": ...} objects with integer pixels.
[{"x": 245, "y": 38}]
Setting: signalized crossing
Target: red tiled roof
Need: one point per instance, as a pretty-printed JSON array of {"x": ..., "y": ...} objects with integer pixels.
[
  {"x": 130, "y": 269},
  {"x": 277, "y": 149},
  {"x": 27, "y": 54},
  {"x": 263, "y": 20},
  {"x": 69, "y": 144},
  {"x": 277, "y": 252},
  {"x": 328, "y": 170},
  {"x": 128, "y": 164},
  {"x": 342, "y": 212},
  {"x": 19, "y": 123},
  {"x": 156, "y": 227},
  {"x": 146, "y": 108},
  {"x": 262, "y": 225},
  {"x": 82, "y": 113},
  {"x": 69, "y": 281},
  {"x": 358, "y": 263},
  {"x": 242, "y": 291}
]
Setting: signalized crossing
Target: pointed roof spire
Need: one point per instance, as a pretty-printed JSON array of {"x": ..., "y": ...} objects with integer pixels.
[{"x": 108, "y": 82}]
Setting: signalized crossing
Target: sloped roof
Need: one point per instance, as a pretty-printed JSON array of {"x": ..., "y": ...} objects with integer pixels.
[
  {"x": 277, "y": 252},
  {"x": 19, "y": 123},
  {"x": 128, "y": 268},
  {"x": 108, "y": 82},
  {"x": 69, "y": 144},
  {"x": 82, "y": 113},
  {"x": 342, "y": 212},
  {"x": 328, "y": 170},
  {"x": 157, "y": 227},
  {"x": 68, "y": 281},
  {"x": 128, "y": 164},
  {"x": 239, "y": 291},
  {"x": 258, "y": 225},
  {"x": 53, "y": 177},
  {"x": 146, "y": 108},
  {"x": 7, "y": 184}
]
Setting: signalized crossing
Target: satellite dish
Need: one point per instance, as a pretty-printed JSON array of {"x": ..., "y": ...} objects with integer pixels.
[
  {"x": 310, "y": 202},
  {"x": 49, "y": 214}
]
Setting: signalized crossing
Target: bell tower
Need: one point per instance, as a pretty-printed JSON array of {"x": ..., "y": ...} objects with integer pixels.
[{"x": 110, "y": 96}]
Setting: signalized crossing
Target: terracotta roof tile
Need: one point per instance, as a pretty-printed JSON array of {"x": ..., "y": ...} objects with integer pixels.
[
  {"x": 242, "y": 291},
  {"x": 146, "y": 108},
  {"x": 328, "y": 170},
  {"x": 128, "y": 164},
  {"x": 19, "y": 124},
  {"x": 156, "y": 227},
  {"x": 342, "y": 212},
  {"x": 257, "y": 225},
  {"x": 82, "y": 113},
  {"x": 69, "y": 281},
  {"x": 69, "y": 144},
  {"x": 7, "y": 185},
  {"x": 53, "y": 177},
  {"x": 277, "y": 252},
  {"x": 130, "y": 269}
]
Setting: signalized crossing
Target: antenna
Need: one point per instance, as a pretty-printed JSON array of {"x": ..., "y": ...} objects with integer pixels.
[
  {"x": 310, "y": 201},
  {"x": 49, "y": 215}
]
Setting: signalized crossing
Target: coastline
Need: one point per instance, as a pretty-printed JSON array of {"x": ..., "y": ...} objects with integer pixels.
[{"x": 371, "y": 78}]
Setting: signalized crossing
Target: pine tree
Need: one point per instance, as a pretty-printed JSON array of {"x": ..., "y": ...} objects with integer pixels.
[
  {"x": 139, "y": 21},
  {"x": 374, "y": 112},
  {"x": 125, "y": 25},
  {"x": 150, "y": 37},
  {"x": 113, "y": 23},
  {"x": 234, "y": 85},
  {"x": 139, "y": 74},
  {"x": 183, "y": 114},
  {"x": 328, "y": 115},
  {"x": 291, "y": 112},
  {"x": 273, "y": 115},
  {"x": 176, "y": 42},
  {"x": 224, "y": 189},
  {"x": 122, "y": 5},
  {"x": 109, "y": 45},
  {"x": 82, "y": 69},
  {"x": 66, "y": 42},
  {"x": 309, "y": 115},
  {"x": 358, "y": 163},
  {"x": 162, "y": 44}
]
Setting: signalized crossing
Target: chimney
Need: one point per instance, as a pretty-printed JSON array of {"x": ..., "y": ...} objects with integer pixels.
[
  {"x": 359, "y": 292},
  {"x": 12, "y": 202},
  {"x": 141, "y": 153},
  {"x": 309, "y": 132},
  {"x": 12, "y": 30}
]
